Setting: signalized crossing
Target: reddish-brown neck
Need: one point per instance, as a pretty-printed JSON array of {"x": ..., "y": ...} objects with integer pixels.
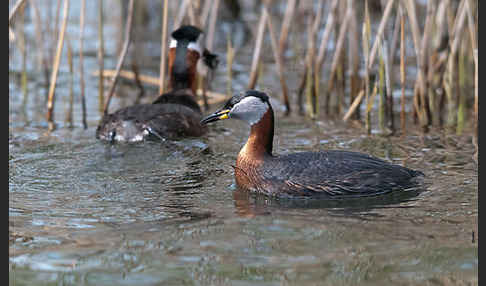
[
  {"x": 183, "y": 75},
  {"x": 260, "y": 141}
]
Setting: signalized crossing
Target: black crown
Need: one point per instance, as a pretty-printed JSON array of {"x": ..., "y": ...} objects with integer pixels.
[{"x": 189, "y": 33}]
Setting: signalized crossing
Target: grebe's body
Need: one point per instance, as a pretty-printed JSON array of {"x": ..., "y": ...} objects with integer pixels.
[
  {"x": 325, "y": 174},
  {"x": 173, "y": 114}
]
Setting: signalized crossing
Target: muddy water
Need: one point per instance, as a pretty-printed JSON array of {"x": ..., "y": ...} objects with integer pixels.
[{"x": 85, "y": 213}]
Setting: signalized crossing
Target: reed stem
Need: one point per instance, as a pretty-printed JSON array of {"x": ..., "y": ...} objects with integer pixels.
[
  {"x": 402, "y": 68},
  {"x": 128, "y": 31},
  {"x": 474, "y": 45},
  {"x": 23, "y": 50},
  {"x": 381, "y": 87},
  {"x": 14, "y": 10},
  {"x": 278, "y": 61},
  {"x": 338, "y": 50},
  {"x": 354, "y": 106},
  {"x": 330, "y": 23},
  {"x": 452, "y": 79},
  {"x": 460, "y": 90},
  {"x": 212, "y": 25},
  {"x": 81, "y": 62},
  {"x": 39, "y": 38},
  {"x": 388, "y": 96},
  {"x": 354, "y": 59},
  {"x": 381, "y": 29},
  {"x": 366, "y": 38},
  {"x": 284, "y": 31},
  {"x": 181, "y": 13},
  {"x": 101, "y": 58},
  {"x": 205, "y": 12},
  {"x": 256, "y": 52},
  {"x": 230, "y": 52},
  {"x": 312, "y": 79},
  {"x": 163, "y": 51},
  {"x": 412, "y": 17},
  {"x": 69, "y": 113},
  {"x": 57, "y": 61}
]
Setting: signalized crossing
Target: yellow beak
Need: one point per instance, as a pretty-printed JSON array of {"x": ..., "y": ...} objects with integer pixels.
[{"x": 220, "y": 115}]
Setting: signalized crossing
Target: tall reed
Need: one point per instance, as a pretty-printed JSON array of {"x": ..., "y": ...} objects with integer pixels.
[
  {"x": 101, "y": 58},
  {"x": 69, "y": 113},
  {"x": 278, "y": 61},
  {"x": 163, "y": 50},
  {"x": 443, "y": 48},
  {"x": 402, "y": 68},
  {"x": 57, "y": 61},
  {"x": 256, "y": 52},
  {"x": 230, "y": 54},
  {"x": 121, "y": 59},
  {"x": 81, "y": 63},
  {"x": 365, "y": 39}
]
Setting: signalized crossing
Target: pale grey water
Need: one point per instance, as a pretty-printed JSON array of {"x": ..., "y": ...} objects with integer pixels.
[{"x": 84, "y": 213}]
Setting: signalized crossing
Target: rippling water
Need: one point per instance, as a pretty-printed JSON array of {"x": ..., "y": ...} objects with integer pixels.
[{"x": 85, "y": 213}]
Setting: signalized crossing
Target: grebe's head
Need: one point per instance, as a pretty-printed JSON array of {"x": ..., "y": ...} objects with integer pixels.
[
  {"x": 187, "y": 37},
  {"x": 190, "y": 39},
  {"x": 185, "y": 50},
  {"x": 249, "y": 106}
]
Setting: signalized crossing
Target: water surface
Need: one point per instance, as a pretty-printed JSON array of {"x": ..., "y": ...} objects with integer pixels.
[{"x": 82, "y": 212}]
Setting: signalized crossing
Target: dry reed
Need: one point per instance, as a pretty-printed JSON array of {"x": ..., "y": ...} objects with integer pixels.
[
  {"x": 69, "y": 113},
  {"x": 212, "y": 25},
  {"x": 256, "y": 52},
  {"x": 284, "y": 31},
  {"x": 311, "y": 87},
  {"x": 339, "y": 48},
  {"x": 205, "y": 12},
  {"x": 474, "y": 46},
  {"x": 381, "y": 29},
  {"x": 402, "y": 68},
  {"x": 442, "y": 66},
  {"x": 230, "y": 54},
  {"x": 14, "y": 10},
  {"x": 101, "y": 58},
  {"x": 121, "y": 59},
  {"x": 81, "y": 64},
  {"x": 366, "y": 38},
  {"x": 23, "y": 49},
  {"x": 381, "y": 87},
  {"x": 421, "y": 84},
  {"x": 181, "y": 13},
  {"x": 390, "y": 124},
  {"x": 163, "y": 51},
  {"x": 57, "y": 61},
  {"x": 278, "y": 61}
]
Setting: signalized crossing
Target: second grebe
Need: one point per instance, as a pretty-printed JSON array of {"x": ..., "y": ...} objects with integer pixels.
[
  {"x": 326, "y": 174},
  {"x": 173, "y": 114}
]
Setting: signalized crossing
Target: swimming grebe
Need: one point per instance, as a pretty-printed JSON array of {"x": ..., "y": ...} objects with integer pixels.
[
  {"x": 327, "y": 174},
  {"x": 173, "y": 114}
]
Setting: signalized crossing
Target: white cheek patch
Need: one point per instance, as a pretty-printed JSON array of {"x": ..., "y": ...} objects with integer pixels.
[
  {"x": 195, "y": 46},
  {"x": 250, "y": 109}
]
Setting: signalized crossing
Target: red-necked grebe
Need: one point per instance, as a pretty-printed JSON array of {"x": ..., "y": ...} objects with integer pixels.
[
  {"x": 174, "y": 114},
  {"x": 327, "y": 174}
]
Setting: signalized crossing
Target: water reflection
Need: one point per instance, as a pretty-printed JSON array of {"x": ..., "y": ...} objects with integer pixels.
[{"x": 251, "y": 204}]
